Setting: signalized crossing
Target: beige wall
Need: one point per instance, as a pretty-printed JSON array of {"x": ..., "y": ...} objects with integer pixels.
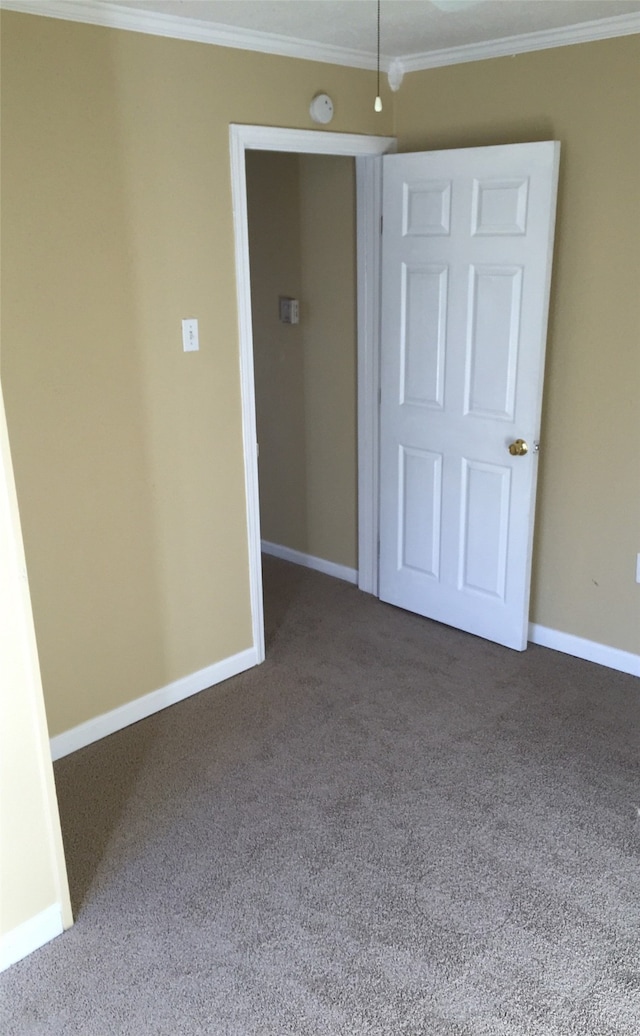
[
  {"x": 586, "y": 96},
  {"x": 117, "y": 223},
  {"x": 273, "y": 203},
  {"x": 327, "y": 205},
  {"x": 302, "y": 243},
  {"x": 32, "y": 869}
]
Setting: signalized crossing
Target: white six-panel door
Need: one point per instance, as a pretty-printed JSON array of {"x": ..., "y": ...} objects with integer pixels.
[{"x": 466, "y": 262}]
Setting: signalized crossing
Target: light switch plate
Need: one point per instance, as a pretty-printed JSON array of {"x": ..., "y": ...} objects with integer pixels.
[
  {"x": 289, "y": 310},
  {"x": 190, "y": 342}
]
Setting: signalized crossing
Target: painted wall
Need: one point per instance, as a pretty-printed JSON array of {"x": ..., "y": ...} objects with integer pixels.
[
  {"x": 588, "y": 517},
  {"x": 117, "y": 223},
  {"x": 273, "y": 204},
  {"x": 302, "y": 243},
  {"x": 328, "y": 230},
  {"x": 34, "y": 896}
]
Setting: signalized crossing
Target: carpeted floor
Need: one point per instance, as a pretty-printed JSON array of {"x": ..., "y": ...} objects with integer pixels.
[{"x": 388, "y": 828}]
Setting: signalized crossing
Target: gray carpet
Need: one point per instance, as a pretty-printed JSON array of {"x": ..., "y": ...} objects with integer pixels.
[{"x": 389, "y": 828}]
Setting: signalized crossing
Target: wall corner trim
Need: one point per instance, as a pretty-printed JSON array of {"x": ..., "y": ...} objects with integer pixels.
[
  {"x": 298, "y": 557},
  {"x": 602, "y": 654},
  {"x": 113, "y": 15},
  {"x": 197, "y": 30},
  {"x": 123, "y": 716},
  {"x": 30, "y": 935}
]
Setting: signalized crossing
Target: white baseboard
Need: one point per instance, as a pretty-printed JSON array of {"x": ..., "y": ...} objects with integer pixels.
[
  {"x": 602, "y": 654},
  {"x": 30, "y": 935},
  {"x": 133, "y": 711},
  {"x": 110, "y": 722},
  {"x": 330, "y": 568},
  {"x": 624, "y": 661}
]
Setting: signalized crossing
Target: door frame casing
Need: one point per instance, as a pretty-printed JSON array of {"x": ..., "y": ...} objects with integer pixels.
[{"x": 367, "y": 151}]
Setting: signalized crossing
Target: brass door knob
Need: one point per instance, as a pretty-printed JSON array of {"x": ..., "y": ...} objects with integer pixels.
[{"x": 518, "y": 448}]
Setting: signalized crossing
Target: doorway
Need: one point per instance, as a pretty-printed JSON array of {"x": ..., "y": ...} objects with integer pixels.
[
  {"x": 365, "y": 150},
  {"x": 301, "y": 212}
]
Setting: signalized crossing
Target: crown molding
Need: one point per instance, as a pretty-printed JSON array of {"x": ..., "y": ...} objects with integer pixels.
[
  {"x": 585, "y": 32},
  {"x": 112, "y": 16},
  {"x": 96, "y": 12}
]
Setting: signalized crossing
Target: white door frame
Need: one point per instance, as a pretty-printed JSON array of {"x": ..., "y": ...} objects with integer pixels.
[{"x": 367, "y": 150}]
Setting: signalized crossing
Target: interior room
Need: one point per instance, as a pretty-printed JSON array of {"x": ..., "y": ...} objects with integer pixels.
[{"x": 381, "y": 827}]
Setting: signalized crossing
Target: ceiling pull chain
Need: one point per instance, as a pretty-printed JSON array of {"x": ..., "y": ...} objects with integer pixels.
[{"x": 378, "y": 101}]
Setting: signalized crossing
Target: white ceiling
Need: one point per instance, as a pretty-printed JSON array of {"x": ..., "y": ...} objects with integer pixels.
[
  {"x": 421, "y": 33},
  {"x": 408, "y": 27}
]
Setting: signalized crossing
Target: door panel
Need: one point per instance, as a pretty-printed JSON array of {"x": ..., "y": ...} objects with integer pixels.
[
  {"x": 421, "y": 490},
  {"x": 423, "y": 336},
  {"x": 484, "y": 518},
  {"x": 466, "y": 259},
  {"x": 492, "y": 341}
]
